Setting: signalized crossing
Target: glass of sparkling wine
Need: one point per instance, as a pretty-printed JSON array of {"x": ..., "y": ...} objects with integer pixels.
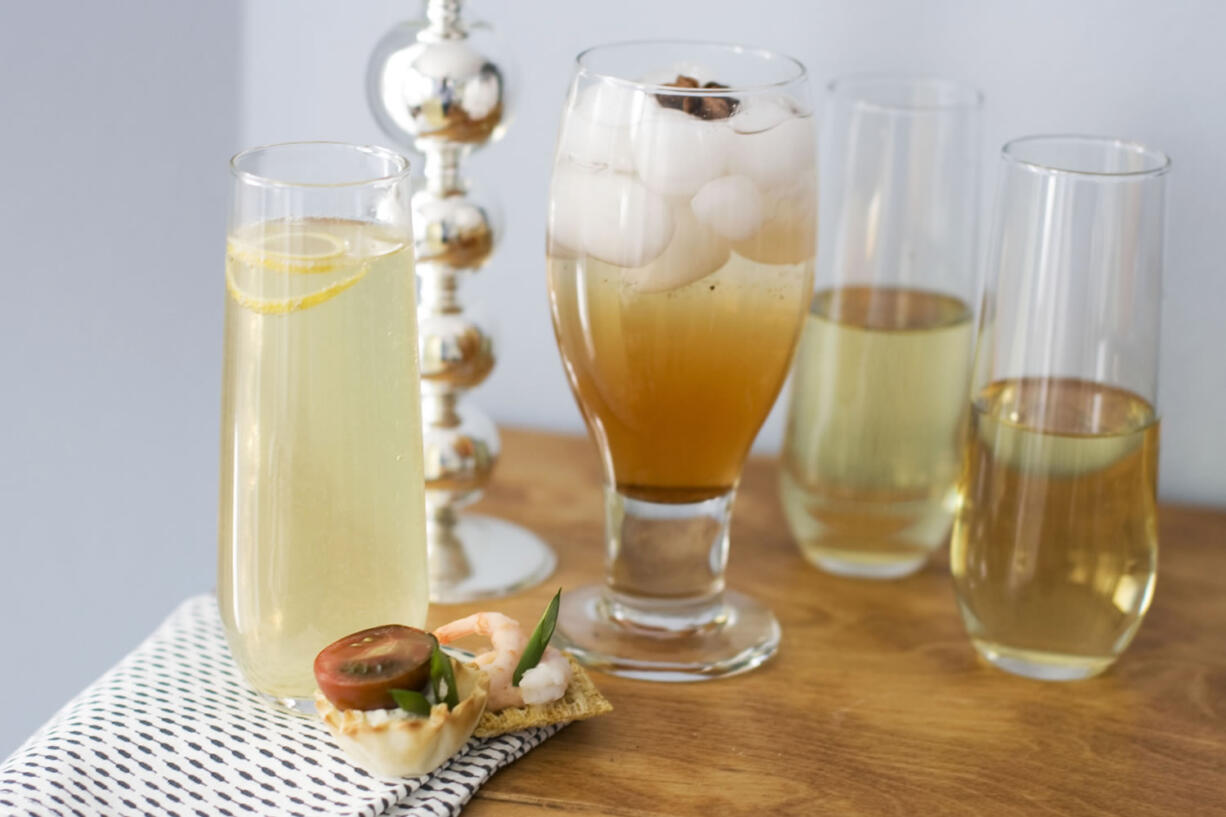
[
  {"x": 1054, "y": 550},
  {"x": 681, "y": 239},
  {"x": 321, "y": 526},
  {"x": 872, "y": 445}
]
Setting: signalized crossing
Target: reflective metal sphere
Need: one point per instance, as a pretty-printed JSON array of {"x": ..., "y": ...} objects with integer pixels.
[
  {"x": 452, "y": 229},
  {"x": 426, "y": 88},
  {"x": 459, "y": 459},
  {"x": 454, "y": 350}
]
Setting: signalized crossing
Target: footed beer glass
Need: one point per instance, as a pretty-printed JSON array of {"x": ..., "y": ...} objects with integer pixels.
[
  {"x": 681, "y": 239},
  {"x": 1055, "y": 546}
]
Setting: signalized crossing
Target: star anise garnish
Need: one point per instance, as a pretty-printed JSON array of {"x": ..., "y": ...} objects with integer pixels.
[{"x": 703, "y": 107}]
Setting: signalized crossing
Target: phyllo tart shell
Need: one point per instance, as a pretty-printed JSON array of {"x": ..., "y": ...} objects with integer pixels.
[{"x": 395, "y": 743}]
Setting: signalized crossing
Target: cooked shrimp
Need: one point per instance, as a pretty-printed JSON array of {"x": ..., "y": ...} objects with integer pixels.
[
  {"x": 548, "y": 680},
  {"x": 539, "y": 684},
  {"x": 507, "y": 639}
]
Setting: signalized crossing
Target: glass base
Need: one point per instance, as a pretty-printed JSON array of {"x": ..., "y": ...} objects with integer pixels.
[
  {"x": 865, "y": 568},
  {"x": 481, "y": 557},
  {"x": 300, "y": 706},
  {"x": 864, "y": 538},
  {"x": 663, "y": 640},
  {"x": 1042, "y": 666}
]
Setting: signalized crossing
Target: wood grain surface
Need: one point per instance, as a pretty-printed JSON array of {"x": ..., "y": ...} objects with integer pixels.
[{"x": 876, "y": 704}]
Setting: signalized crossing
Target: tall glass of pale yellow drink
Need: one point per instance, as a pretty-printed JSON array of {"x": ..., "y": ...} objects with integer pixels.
[{"x": 321, "y": 523}]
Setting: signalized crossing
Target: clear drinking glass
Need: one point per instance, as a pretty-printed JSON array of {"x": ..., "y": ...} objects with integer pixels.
[
  {"x": 872, "y": 446},
  {"x": 1054, "y": 551},
  {"x": 682, "y": 225},
  {"x": 322, "y": 520}
]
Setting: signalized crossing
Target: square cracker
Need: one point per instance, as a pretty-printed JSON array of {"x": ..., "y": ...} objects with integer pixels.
[{"x": 582, "y": 700}]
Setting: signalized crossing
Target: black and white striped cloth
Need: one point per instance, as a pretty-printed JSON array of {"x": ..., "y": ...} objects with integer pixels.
[{"x": 173, "y": 730}]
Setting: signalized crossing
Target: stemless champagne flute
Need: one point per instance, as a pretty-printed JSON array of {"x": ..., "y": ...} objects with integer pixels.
[
  {"x": 682, "y": 229},
  {"x": 872, "y": 447},
  {"x": 1054, "y": 550},
  {"x": 322, "y": 521}
]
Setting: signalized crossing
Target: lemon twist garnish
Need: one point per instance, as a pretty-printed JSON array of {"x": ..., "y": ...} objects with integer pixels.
[
  {"x": 293, "y": 251},
  {"x": 282, "y": 306}
]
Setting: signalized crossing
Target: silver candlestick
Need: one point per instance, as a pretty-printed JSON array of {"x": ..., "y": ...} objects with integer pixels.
[{"x": 434, "y": 86}]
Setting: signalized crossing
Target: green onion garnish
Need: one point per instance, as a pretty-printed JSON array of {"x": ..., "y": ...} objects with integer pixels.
[{"x": 539, "y": 640}]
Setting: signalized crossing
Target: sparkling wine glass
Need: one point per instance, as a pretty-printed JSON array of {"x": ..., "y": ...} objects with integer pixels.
[
  {"x": 872, "y": 450},
  {"x": 322, "y": 519},
  {"x": 1055, "y": 546},
  {"x": 681, "y": 239}
]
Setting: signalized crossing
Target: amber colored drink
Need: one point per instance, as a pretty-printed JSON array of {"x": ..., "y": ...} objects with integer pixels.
[
  {"x": 677, "y": 382},
  {"x": 1054, "y": 550}
]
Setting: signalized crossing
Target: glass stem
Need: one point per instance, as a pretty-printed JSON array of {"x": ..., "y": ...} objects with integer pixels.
[{"x": 665, "y": 563}]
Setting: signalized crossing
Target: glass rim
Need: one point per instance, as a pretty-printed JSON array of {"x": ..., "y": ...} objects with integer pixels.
[
  {"x": 400, "y": 162},
  {"x": 583, "y": 68},
  {"x": 1010, "y": 152},
  {"x": 970, "y": 97}
]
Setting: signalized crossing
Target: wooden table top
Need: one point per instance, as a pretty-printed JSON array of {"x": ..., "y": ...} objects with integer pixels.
[{"x": 876, "y": 703}]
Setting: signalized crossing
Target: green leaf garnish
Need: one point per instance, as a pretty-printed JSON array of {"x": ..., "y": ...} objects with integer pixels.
[
  {"x": 539, "y": 640},
  {"x": 440, "y": 675},
  {"x": 411, "y": 701}
]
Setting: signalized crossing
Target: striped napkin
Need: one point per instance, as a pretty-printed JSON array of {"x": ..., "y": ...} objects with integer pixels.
[{"x": 173, "y": 730}]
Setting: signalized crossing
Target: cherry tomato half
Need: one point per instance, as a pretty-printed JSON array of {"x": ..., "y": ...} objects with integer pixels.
[{"x": 357, "y": 671}]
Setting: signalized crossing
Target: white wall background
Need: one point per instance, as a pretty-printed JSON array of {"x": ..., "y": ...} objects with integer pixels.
[
  {"x": 117, "y": 122},
  {"x": 1151, "y": 72}
]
